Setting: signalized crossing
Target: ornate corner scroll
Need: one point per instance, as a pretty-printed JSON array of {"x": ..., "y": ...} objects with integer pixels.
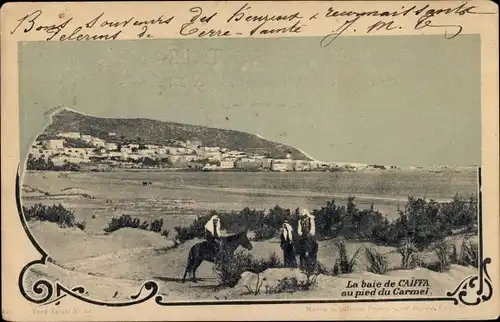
[
  {"x": 474, "y": 289},
  {"x": 45, "y": 292}
]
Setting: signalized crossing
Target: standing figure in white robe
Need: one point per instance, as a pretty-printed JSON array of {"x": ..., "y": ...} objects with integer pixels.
[{"x": 286, "y": 237}]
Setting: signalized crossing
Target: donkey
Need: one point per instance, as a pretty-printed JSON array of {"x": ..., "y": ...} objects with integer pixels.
[{"x": 204, "y": 251}]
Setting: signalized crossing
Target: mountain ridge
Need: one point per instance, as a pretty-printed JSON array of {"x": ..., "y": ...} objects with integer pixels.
[{"x": 149, "y": 131}]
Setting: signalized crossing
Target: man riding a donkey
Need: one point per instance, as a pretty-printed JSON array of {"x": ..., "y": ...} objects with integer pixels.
[{"x": 212, "y": 232}]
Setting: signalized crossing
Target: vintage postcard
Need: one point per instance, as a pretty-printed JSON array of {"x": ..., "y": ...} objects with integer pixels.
[{"x": 250, "y": 161}]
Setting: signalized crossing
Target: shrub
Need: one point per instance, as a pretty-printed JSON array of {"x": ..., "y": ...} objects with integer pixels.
[
  {"x": 291, "y": 285},
  {"x": 454, "y": 255},
  {"x": 346, "y": 264},
  {"x": 441, "y": 249},
  {"x": 229, "y": 267},
  {"x": 125, "y": 221},
  {"x": 322, "y": 269},
  {"x": 47, "y": 165},
  {"x": 336, "y": 269},
  {"x": 273, "y": 260},
  {"x": 378, "y": 262},
  {"x": 469, "y": 254},
  {"x": 408, "y": 249},
  {"x": 55, "y": 213},
  {"x": 165, "y": 233},
  {"x": 195, "y": 230},
  {"x": 156, "y": 225},
  {"x": 265, "y": 232},
  {"x": 260, "y": 265},
  {"x": 81, "y": 225},
  {"x": 422, "y": 221},
  {"x": 256, "y": 289}
]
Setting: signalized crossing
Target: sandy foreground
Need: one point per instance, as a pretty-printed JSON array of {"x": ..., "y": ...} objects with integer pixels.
[{"x": 113, "y": 267}]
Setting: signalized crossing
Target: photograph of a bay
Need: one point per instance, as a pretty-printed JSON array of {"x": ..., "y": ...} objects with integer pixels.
[{"x": 120, "y": 190}]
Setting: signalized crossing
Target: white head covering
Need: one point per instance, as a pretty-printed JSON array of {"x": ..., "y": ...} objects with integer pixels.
[
  {"x": 304, "y": 213},
  {"x": 210, "y": 225},
  {"x": 287, "y": 231}
]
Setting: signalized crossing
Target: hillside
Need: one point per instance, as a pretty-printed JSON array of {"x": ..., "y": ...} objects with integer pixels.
[{"x": 159, "y": 132}]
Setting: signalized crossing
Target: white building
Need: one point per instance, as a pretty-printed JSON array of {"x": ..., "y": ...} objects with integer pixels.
[
  {"x": 211, "y": 148},
  {"x": 54, "y": 144},
  {"x": 171, "y": 150},
  {"x": 133, "y": 145},
  {"x": 117, "y": 154},
  {"x": 126, "y": 149},
  {"x": 279, "y": 166},
  {"x": 134, "y": 156},
  {"x": 86, "y": 138},
  {"x": 236, "y": 154},
  {"x": 41, "y": 153},
  {"x": 193, "y": 144},
  {"x": 214, "y": 157},
  {"x": 90, "y": 151},
  {"x": 146, "y": 152},
  {"x": 61, "y": 159},
  {"x": 76, "y": 152},
  {"x": 301, "y": 166},
  {"x": 226, "y": 164},
  {"x": 69, "y": 135},
  {"x": 111, "y": 146},
  {"x": 98, "y": 142},
  {"x": 186, "y": 158}
]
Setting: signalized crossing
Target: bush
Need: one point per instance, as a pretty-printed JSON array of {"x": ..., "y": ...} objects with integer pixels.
[
  {"x": 322, "y": 269},
  {"x": 165, "y": 233},
  {"x": 428, "y": 221},
  {"x": 47, "y": 165},
  {"x": 454, "y": 255},
  {"x": 195, "y": 230},
  {"x": 256, "y": 289},
  {"x": 265, "y": 232},
  {"x": 291, "y": 285},
  {"x": 422, "y": 221},
  {"x": 260, "y": 265},
  {"x": 81, "y": 225},
  {"x": 229, "y": 267},
  {"x": 441, "y": 249},
  {"x": 156, "y": 225},
  {"x": 378, "y": 262},
  {"x": 125, "y": 221},
  {"x": 469, "y": 254},
  {"x": 346, "y": 264},
  {"x": 408, "y": 249},
  {"x": 55, "y": 213}
]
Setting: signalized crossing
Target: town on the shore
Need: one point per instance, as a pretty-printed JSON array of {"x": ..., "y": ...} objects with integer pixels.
[{"x": 86, "y": 152}]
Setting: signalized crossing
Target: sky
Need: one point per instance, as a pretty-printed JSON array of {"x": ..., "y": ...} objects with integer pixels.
[{"x": 398, "y": 100}]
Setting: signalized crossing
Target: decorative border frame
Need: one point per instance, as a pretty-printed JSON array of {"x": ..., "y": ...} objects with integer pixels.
[{"x": 480, "y": 285}]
